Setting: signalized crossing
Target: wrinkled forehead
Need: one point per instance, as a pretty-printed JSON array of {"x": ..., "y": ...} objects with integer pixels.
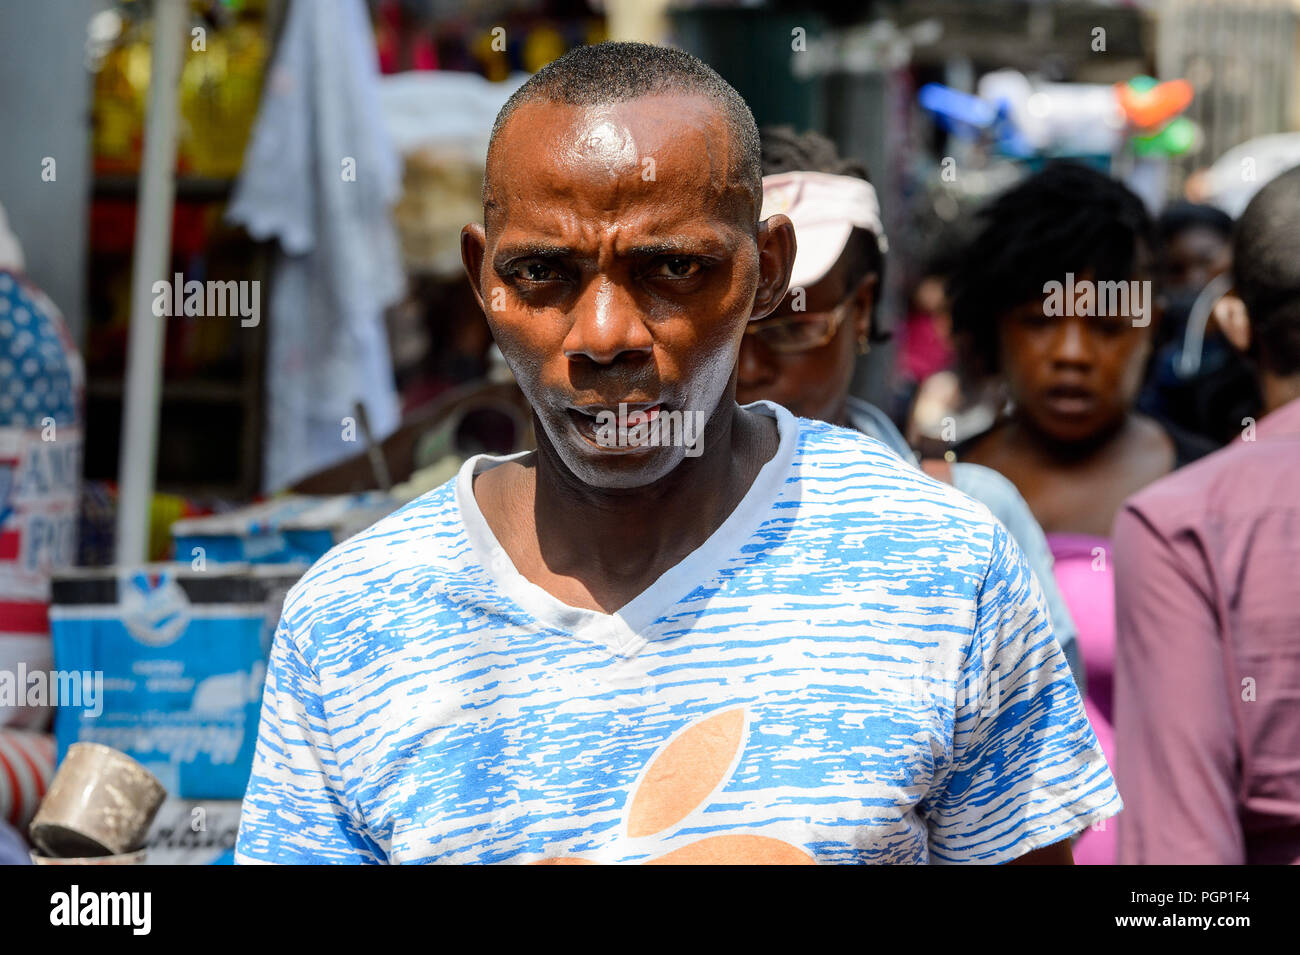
[{"x": 658, "y": 159}]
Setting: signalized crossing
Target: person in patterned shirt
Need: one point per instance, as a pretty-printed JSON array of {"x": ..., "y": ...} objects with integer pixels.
[{"x": 770, "y": 641}]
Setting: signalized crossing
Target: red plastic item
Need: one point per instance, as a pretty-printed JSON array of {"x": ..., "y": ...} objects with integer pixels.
[{"x": 1156, "y": 106}]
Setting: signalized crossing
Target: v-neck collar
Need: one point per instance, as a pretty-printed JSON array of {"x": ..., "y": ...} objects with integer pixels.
[{"x": 622, "y": 631}]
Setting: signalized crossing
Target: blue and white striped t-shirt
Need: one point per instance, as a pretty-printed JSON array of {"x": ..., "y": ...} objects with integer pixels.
[{"x": 856, "y": 667}]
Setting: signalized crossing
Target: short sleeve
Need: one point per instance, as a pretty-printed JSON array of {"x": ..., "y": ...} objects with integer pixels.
[
  {"x": 294, "y": 811},
  {"x": 1003, "y": 499},
  {"x": 1026, "y": 768}
]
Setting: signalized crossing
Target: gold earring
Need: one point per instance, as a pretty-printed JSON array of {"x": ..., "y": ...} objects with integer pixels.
[{"x": 863, "y": 346}]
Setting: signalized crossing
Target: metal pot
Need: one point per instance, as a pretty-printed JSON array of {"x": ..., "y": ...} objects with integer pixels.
[{"x": 101, "y": 803}]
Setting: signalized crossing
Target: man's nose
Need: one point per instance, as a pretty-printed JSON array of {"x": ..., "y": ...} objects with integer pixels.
[
  {"x": 607, "y": 325},
  {"x": 755, "y": 368}
]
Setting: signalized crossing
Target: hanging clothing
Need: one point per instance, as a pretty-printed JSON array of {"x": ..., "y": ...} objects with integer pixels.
[{"x": 320, "y": 176}]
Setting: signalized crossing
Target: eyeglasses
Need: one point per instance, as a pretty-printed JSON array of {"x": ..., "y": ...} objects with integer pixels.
[{"x": 802, "y": 332}]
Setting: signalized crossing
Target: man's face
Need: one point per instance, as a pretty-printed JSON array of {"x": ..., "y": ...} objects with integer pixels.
[{"x": 620, "y": 265}]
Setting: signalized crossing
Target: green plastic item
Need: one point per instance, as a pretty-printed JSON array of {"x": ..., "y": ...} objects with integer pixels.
[{"x": 1177, "y": 137}]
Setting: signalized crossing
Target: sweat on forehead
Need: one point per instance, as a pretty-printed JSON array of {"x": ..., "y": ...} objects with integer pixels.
[
  {"x": 605, "y": 74},
  {"x": 659, "y": 150}
]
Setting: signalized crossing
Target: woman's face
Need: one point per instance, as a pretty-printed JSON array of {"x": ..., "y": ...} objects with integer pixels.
[{"x": 1073, "y": 377}]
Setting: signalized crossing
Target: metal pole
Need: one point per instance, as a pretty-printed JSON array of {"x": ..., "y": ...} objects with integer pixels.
[{"x": 153, "y": 239}]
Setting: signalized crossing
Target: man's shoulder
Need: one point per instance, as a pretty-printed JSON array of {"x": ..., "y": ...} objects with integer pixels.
[
  {"x": 422, "y": 542},
  {"x": 872, "y": 515},
  {"x": 1210, "y": 488},
  {"x": 867, "y": 479},
  {"x": 834, "y": 446}
]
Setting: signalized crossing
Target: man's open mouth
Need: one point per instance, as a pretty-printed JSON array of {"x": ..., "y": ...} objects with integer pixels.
[{"x": 620, "y": 428}]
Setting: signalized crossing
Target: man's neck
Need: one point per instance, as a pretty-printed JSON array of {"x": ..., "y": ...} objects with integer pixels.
[{"x": 611, "y": 545}]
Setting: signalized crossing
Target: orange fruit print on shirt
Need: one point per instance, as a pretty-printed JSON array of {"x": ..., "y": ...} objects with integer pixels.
[{"x": 678, "y": 780}]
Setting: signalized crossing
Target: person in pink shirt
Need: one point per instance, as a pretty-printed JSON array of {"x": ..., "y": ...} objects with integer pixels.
[
  {"x": 1069, "y": 437},
  {"x": 1207, "y": 560}
]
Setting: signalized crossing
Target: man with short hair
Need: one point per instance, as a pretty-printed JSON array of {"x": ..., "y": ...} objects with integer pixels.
[
  {"x": 1207, "y": 680},
  {"x": 779, "y": 644}
]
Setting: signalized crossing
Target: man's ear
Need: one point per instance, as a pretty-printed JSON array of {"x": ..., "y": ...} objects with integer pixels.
[
  {"x": 1233, "y": 320},
  {"x": 473, "y": 246},
  {"x": 776, "y": 247}
]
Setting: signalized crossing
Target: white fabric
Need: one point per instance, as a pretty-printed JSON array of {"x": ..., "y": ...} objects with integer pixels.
[
  {"x": 320, "y": 176},
  {"x": 1248, "y": 167},
  {"x": 451, "y": 110},
  {"x": 824, "y": 209},
  {"x": 11, "y": 250}
]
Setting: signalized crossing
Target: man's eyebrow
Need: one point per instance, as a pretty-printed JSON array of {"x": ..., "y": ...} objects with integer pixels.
[
  {"x": 528, "y": 250},
  {"x": 673, "y": 245},
  {"x": 676, "y": 245}
]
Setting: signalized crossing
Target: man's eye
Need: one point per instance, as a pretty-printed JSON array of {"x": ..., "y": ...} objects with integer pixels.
[
  {"x": 676, "y": 267},
  {"x": 537, "y": 272}
]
